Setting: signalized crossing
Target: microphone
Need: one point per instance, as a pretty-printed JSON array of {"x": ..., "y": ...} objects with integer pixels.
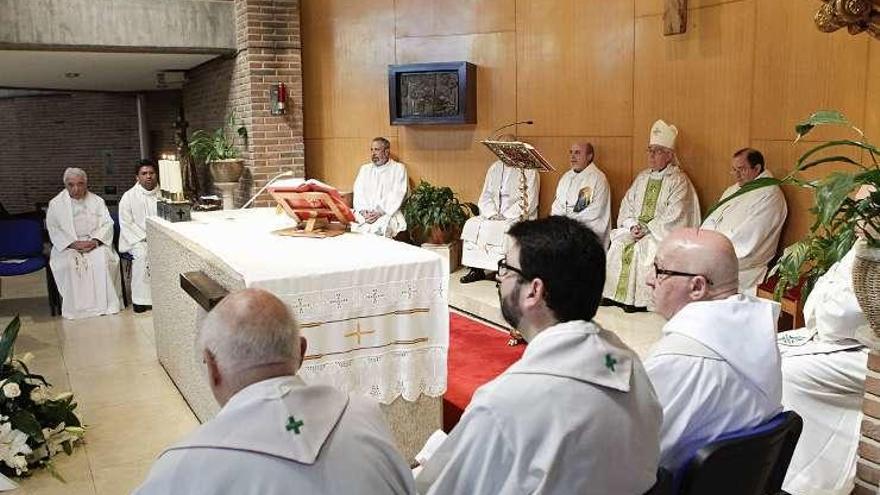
[
  {"x": 495, "y": 132},
  {"x": 288, "y": 173}
]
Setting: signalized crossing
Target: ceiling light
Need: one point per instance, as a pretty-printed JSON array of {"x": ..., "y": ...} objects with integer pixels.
[{"x": 71, "y": 75}]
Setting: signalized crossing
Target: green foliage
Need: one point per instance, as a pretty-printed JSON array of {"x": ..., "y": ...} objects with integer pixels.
[
  {"x": 430, "y": 207},
  {"x": 839, "y": 217},
  {"x": 218, "y": 145}
]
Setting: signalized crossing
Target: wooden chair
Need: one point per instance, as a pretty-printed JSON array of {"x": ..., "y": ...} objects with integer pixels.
[{"x": 792, "y": 303}]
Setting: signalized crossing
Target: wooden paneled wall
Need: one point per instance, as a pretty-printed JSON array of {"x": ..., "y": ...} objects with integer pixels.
[{"x": 744, "y": 73}]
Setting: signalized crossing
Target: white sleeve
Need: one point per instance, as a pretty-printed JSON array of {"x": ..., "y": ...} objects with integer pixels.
[
  {"x": 475, "y": 458},
  {"x": 59, "y": 236},
  {"x": 558, "y": 206},
  {"x": 627, "y": 217},
  {"x": 130, "y": 233},
  {"x": 104, "y": 230},
  {"x": 487, "y": 202},
  {"x": 394, "y": 195},
  {"x": 359, "y": 191}
]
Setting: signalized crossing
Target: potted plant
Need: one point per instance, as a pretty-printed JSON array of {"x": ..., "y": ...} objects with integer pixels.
[
  {"x": 434, "y": 214},
  {"x": 218, "y": 150},
  {"x": 841, "y": 216}
]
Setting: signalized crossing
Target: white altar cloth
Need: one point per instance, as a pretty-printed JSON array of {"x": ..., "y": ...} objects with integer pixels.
[{"x": 374, "y": 310}]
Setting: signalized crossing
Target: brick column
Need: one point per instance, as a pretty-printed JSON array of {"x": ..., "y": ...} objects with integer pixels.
[
  {"x": 269, "y": 52},
  {"x": 868, "y": 470}
]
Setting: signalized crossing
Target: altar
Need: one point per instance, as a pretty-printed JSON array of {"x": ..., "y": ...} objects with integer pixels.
[{"x": 374, "y": 311}]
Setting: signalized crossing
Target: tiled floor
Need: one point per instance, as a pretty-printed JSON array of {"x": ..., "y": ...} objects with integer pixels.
[{"x": 132, "y": 408}]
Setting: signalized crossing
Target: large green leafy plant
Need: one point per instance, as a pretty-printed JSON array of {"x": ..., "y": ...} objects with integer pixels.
[
  {"x": 839, "y": 215},
  {"x": 434, "y": 213},
  {"x": 218, "y": 145},
  {"x": 33, "y": 425}
]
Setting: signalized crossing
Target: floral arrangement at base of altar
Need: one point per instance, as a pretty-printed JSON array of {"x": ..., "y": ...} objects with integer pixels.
[{"x": 34, "y": 425}]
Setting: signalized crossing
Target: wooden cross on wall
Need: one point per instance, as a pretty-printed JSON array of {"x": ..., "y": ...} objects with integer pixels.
[{"x": 675, "y": 17}]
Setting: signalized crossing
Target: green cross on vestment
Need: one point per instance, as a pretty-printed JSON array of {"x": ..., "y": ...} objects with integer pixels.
[
  {"x": 293, "y": 424},
  {"x": 610, "y": 362}
]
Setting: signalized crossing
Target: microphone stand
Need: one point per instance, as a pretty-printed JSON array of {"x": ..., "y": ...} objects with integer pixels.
[
  {"x": 496, "y": 131},
  {"x": 273, "y": 179}
]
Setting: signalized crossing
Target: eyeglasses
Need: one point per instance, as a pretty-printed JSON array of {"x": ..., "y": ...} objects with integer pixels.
[
  {"x": 504, "y": 269},
  {"x": 672, "y": 273},
  {"x": 656, "y": 151}
]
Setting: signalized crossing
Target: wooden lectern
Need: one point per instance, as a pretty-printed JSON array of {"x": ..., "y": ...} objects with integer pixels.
[
  {"x": 317, "y": 207},
  {"x": 521, "y": 156}
]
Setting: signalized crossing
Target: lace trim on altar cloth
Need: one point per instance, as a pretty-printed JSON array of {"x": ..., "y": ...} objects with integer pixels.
[{"x": 385, "y": 377}]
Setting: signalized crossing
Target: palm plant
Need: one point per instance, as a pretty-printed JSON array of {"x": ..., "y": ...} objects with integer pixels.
[
  {"x": 839, "y": 216},
  {"x": 218, "y": 145}
]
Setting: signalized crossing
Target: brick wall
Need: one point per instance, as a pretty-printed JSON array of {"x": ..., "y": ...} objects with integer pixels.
[
  {"x": 268, "y": 42},
  {"x": 42, "y": 135},
  {"x": 868, "y": 469}
]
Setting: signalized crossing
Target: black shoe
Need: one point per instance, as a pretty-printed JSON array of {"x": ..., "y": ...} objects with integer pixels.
[
  {"x": 140, "y": 308},
  {"x": 629, "y": 308},
  {"x": 474, "y": 275},
  {"x": 608, "y": 302}
]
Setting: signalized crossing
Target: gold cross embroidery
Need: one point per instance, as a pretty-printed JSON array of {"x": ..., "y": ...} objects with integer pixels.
[{"x": 358, "y": 333}]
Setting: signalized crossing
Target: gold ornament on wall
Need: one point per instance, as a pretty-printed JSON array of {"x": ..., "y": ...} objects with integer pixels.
[{"x": 856, "y": 16}]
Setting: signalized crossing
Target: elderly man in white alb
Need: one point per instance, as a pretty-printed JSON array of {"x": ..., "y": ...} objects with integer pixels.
[
  {"x": 660, "y": 200},
  {"x": 752, "y": 221},
  {"x": 484, "y": 237},
  {"x": 824, "y": 366},
  {"x": 136, "y": 205},
  {"x": 716, "y": 369},
  {"x": 583, "y": 192},
  {"x": 85, "y": 266},
  {"x": 576, "y": 414},
  {"x": 379, "y": 189},
  {"x": 275, "y": 434}
]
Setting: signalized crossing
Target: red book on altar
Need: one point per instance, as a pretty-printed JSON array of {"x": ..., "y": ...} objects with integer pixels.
[{"x": 317, "y": 207}]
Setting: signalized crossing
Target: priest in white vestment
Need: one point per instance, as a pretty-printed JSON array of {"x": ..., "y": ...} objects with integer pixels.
[
  {"x": 484, "y": 237},
  {"x": 583, "y": 192},
  {"x": 379, "y": 190},
  {"x": 660, "y": 200},
  {"x": 576, "y": 414},
  {"x": 716, "y": 370},
  {"x": 823, "y": 379},
  {"x": 136, "y": 205},
  {"x": 83, "y": 261},
  {"x": 275, "y": 434},
  {"x": 752, "y": 221}
]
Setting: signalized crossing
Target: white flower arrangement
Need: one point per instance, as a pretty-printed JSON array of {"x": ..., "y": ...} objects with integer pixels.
[{"x": 34, "y": 425}]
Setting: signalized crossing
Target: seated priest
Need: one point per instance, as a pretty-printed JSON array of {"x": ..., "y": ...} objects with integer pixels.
[
  {"x": 716, "y": 369},
  {"x": 379, "y": 189},
  {"x": 752, "y": 221},
  {"x": 83, "y": 261},
  {"x": 275, "y": 434},
  {"x": 136, "y": 205},
  {"x": 583, "y": 192},
  {"x": 484, "y": 236},
  {"x": 660, "y": 200},
  {"x": 824, "y": 366},
  {"x": 576, "y": 414}
]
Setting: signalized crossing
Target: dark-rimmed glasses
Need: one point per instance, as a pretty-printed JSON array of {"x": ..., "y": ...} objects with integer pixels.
[
  {"x": 672, "y": 273},
  {"x": 504, "y": 269}
]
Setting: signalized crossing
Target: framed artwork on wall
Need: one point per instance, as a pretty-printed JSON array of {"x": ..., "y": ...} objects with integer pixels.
[{"x": 433, "y": 93}]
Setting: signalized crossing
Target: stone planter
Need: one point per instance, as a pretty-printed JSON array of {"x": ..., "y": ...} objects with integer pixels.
[
  {"x": 866, "y": 283},
  {"x": 225, "y": 171}
]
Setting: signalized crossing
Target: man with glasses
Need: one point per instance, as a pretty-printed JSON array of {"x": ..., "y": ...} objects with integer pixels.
[
  {"x": 576, "y": 414},
  {"x": 660, "y": 200},
  {"x": 752, "y": 221},
  {"x": 716, "y": 370}
]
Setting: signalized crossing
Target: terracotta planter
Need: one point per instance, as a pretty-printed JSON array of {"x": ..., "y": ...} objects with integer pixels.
[
  {"x": 438, "y": 235},
  {"x": 866, "y": 283},
  {"x": 226, "y": 171}
]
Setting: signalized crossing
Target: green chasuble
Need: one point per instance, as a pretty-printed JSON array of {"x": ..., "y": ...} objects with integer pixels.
[{"x": 649, "y": 207}]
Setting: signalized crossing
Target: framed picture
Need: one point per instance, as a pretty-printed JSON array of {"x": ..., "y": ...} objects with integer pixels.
[{"x": 433, "y": 93}]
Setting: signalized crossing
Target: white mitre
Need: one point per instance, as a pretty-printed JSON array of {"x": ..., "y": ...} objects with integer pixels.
[{"x": 663, "y": 134}]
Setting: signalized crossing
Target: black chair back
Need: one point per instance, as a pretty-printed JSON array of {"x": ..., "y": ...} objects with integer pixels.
[{"x": 751, "y": 462}]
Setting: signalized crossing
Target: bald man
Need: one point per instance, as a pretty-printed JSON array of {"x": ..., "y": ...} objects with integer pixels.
[
  {"x": 717, "y": 369},
  {"x": 583, "y": 192},
  {"x": 275, "y": 434}
]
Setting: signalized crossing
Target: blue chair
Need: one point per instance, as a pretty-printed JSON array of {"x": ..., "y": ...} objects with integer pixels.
[
  {"x": 22, "y": 239},
  {"x": 749, "y": 462}
]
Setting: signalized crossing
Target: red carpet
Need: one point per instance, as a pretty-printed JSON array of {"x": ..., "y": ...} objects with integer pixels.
[{"x": 477, "y": 354}]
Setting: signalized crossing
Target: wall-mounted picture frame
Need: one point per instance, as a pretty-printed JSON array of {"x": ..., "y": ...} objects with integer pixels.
[{"x": 433, "y": 93}]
